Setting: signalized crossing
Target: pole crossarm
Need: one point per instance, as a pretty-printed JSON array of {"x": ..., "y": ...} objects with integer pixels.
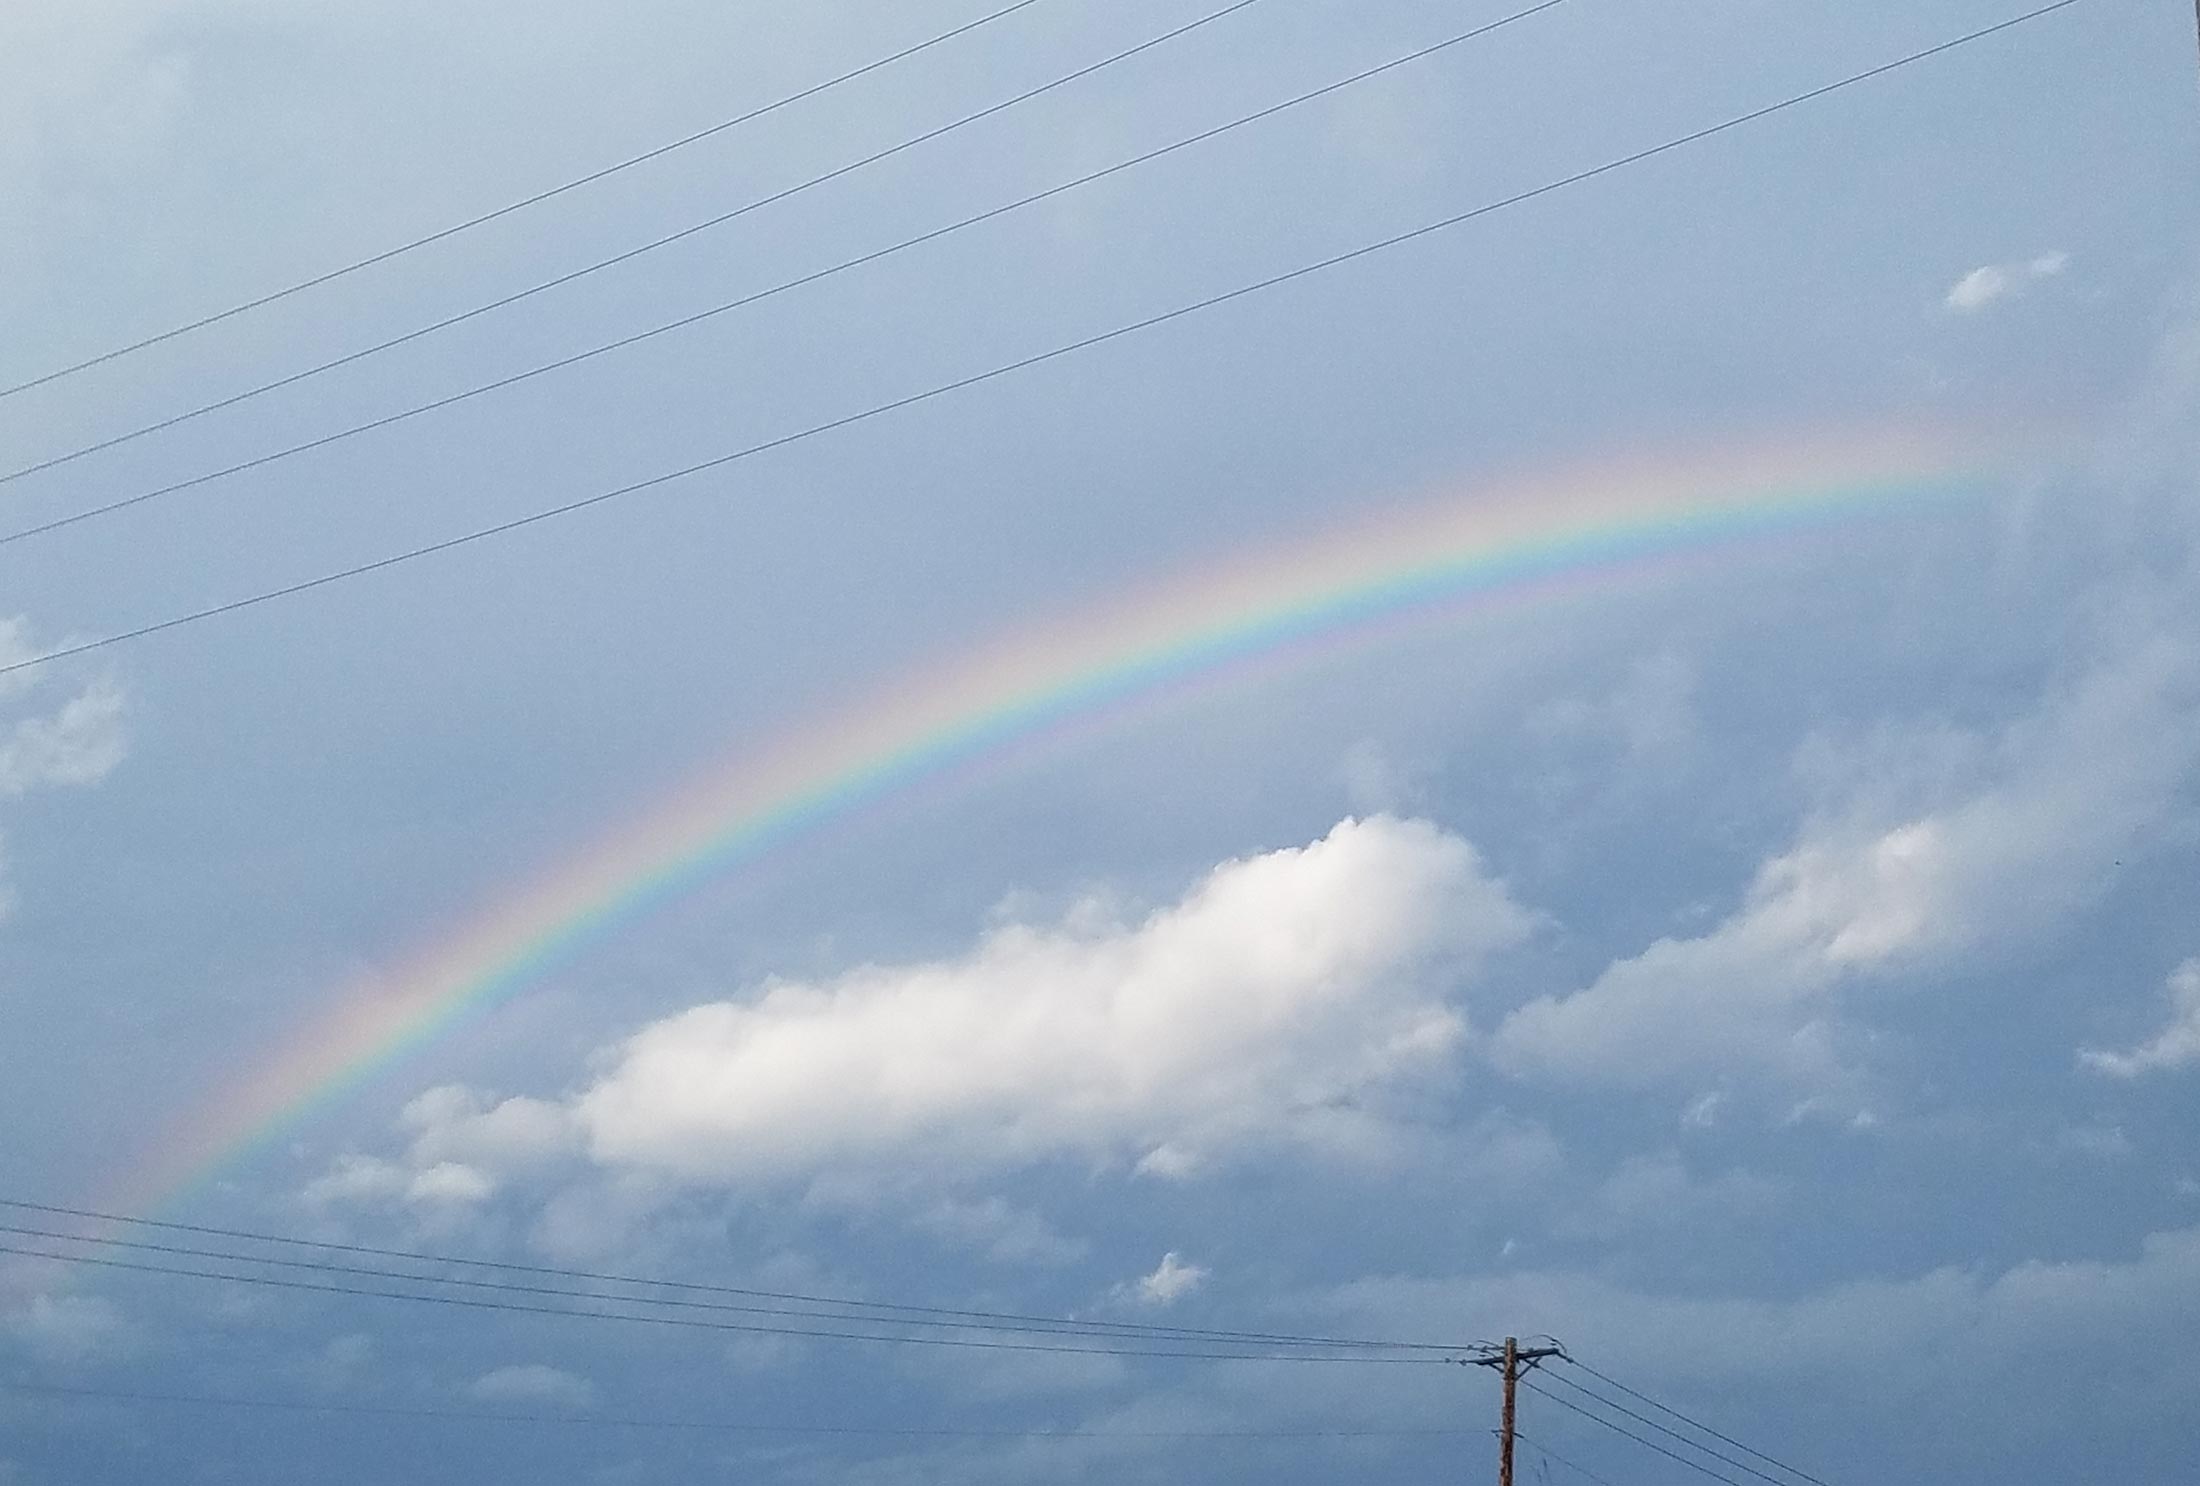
[{"x": 1513, "y": 1362}]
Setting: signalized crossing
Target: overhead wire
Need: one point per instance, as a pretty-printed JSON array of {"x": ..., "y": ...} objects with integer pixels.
[
  {"x": 1694, "y": 1423},
  {"x": 535, "y": 199},
  {"x": 757, "y": 296},
  {"x": 557, "y": 281},
  {"x": 1557, "y": 1459},
  {"x": 726, "y": 1426},
  {"x": 845, "y": 1311},
  {"x": 1643, "y": 1419},
  {"x": 1128, "y": 1329},
  {"x": 1027, "y": 362},
  {"x": 477, "y": 1303},
  {"x": 1640, "y": 1439}
]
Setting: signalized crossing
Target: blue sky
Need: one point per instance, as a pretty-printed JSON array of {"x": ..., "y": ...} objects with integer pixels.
[{"x": 1778, "y": 978}]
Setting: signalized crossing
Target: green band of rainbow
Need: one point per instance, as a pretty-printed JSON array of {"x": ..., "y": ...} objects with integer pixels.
[{"x": 1520, "y": 541}]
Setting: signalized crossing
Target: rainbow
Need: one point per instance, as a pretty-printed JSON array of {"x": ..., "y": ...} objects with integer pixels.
[{"x": 1521, "y": 540}]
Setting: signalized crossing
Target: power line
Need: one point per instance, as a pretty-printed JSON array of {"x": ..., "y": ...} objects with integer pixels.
[
  {"x": 1044, "y": 1327},
  {"x": 629, "y": 254},
  {"x": 1557, "y": 1459},
  {"x": 1129, "y": 1329},
  {"x": 744, "y": 301},
  {"x": 520, "y": 205},
  {"x": 1693, "y": 1423},
  {"x": 1644, "y": 1419},
  {"x": 1643, "y": 1440},
  {"x": 702, "y": 1324},
  {"x": 728, "y": 1426},
  {"x": 1025, "y": 363}
]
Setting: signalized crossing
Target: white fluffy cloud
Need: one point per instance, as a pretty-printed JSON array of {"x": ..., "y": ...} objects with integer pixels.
[
  {"x": 441, "y": 1184},
  {"x": 1172, "y": 1279},
  {"x": 1996, "y": 281},
  {"x": 1870, "y": 891},
  {"x": 79, "y": 743},
  {"x": 1281, "y": 1000},
  {"x": 2177, "y": 1045},
  {"x": 1269, "y": 1004},
  {"x": 76, "y": 741}
]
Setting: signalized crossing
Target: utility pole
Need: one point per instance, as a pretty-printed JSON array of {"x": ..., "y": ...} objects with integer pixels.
[{"x": 1511, "y": 1362}]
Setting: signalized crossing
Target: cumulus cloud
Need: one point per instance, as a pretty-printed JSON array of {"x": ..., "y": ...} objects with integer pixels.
[
  {"x": 1277, "y": 1001},
  {"x": 533, "y": 1383},
  {"x": 370, "y": 1179},
  {"x": 2177, "y": 1045},
  {"x": 1172, "y": 1279},
  {"x": 1996, "y": 281},
  {"x": 457, "y": 1125},
  {"x": 1865, "y": 892}
]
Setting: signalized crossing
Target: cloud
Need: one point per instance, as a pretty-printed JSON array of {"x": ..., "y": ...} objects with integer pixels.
[
  {"x": 1002, "y": 1231},
  {"x": 84, "y": 87},
  {"x": 76, "y": 742},
  {"x": 1850, "y": 1335},
  {"x": 534, "y": 1383},
  {"x": 1277, "y": 1002},
  {"x": 1659, "y": 1191},
  {"x": 456, "y": 1124},
  {"x": 1172, "y": 1279},
  {"x": 1985, "y": 285},
  {"x": 370, "y": 1179},
  {"x": 1874, "y": 889},
  {"x": 69, "y": 1329},
  {"x": 2177, "y": 1045},
  {"x": 1649, "y": 714}
]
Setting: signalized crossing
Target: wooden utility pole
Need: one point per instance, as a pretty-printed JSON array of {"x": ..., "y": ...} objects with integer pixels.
[
  {"x": 1505, "y": 1413},
  {"x": 1511, "y": 1362}
]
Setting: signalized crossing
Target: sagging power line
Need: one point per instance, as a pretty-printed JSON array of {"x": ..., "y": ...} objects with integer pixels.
[
  {"x": 843, "y": 1308},
  {"x": 558, "y": 281},
  {"x": 1644, "y": 1440},
  {"x": 1036, "y": 359},
  {"x": 783, "y": 286},
  {"x": 1697, "y": 1424},
  {"x": 442, "y": 234},
  {"x": 913, "y": 1337},
  {"x": 1513, "y": 1362},
  {"x": 1643, "y": 1419},
  {"x": 1557, "y": 1459}
]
